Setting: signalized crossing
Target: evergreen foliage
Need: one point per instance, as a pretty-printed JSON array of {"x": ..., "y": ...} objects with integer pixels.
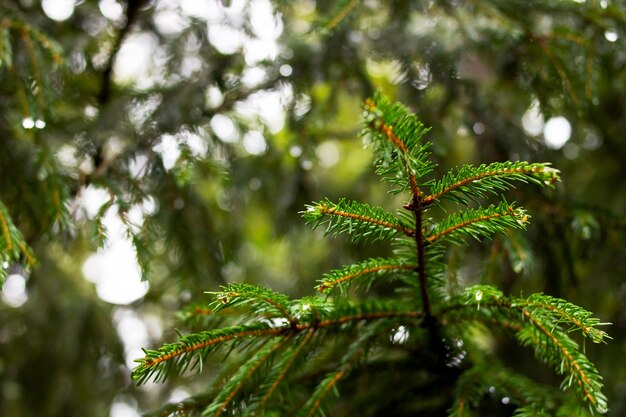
[
  {"x": 13, "y": 247},
  {"x": 72, "y": 125},
  {"x": 288, "y": 346}
]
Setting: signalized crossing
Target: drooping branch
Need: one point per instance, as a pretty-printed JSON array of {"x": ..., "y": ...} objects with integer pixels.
[
  {"x": 245, "y": 372},
  {"x": 286, "y": 367}
]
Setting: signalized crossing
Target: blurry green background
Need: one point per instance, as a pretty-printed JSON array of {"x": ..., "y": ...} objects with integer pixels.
[{"x": 178, "y": 140}]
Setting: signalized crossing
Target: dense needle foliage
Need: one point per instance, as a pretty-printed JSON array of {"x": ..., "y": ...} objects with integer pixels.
[
  {"x": 151, "y": 150},
  {"x": 295, "y": 353}
]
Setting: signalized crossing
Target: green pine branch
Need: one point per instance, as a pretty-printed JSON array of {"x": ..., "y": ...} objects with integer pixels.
[
  {"x": 283, "y": 336},
  {"x": 489, "y": 378},
  {"x": 538, "y": 322},
  {"x": 492, "y": 178},
  {"x": 395, "y": 135},
  {"x": 264, "y": 302},
  {"x": 286, "y": 363},
  {"x": 363, "y": 273},
  {"x": 478, "y": 223},
  {"x": 189, "y": 352},
  {"x": 13, "y": 247},
  {"x": 229, "y": 391},
  {"x": 42, "y": 55},
  {"x": 561, "y": 312},
  {"x": 311, "y": 313},
  {"x": 360, "y": 221},
  {"x": 556, "y": 348},
  {"x": 531, "y": 411},
  {"x": 354, "y": 353}
]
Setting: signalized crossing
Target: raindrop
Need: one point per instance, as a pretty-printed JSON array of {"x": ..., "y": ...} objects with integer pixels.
[{"x": 400, "y": 335}]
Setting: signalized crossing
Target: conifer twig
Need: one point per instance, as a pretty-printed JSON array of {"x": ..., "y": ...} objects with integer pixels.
[
  {"x": 571, "y": 364},
  {"x": 286, "y": 367},
  {"x": 219, "y": 404},
  {"x": 497, "y": 173},
  {"x": 333, "y": 211},
  {"x": 338, "y": 277},
  {"x": 416, "y": 206},
  {"x": 213, "y": 339}
]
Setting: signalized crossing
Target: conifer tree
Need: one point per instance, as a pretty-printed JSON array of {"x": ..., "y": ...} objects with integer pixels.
[
  {"x": 393, "y": 325},
  {"x": 475, "y": 70}
]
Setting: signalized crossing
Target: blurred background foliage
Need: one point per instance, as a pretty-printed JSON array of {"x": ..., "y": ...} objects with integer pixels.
[{"x": 177, "y": 140}]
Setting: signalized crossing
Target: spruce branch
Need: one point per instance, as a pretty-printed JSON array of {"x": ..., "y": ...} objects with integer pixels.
[
  {"x": 479, "y": 223},
  {"x": 364, "y": 271},
  {"x": 556, "y": 348},
  {"x": 531, "y": 411},
  {"x": 492, "y": 178},
  {"x": 360, "y": 221},
  {"x": 282, "y": 368},
  {"x": 563, "y": 312},
  {"x": 540, "y": 329},
  {"x": 488, "y": 377},
  {"x": 283, "y": 334},
  {"x": 264, "y": 302},
  {"x": 5, "y": 221},
  {"x": 13, "y": 247},
  {"x": 349, "y": 361},
  {"x": 198, "y": 316},
  {"x": 191, "y": 350},
  {"x": 377, "y": 310},
  {"x": 29, "y": 56},
  {"x": 395, "y": 134},
  {"x": 242, "y": 376}
]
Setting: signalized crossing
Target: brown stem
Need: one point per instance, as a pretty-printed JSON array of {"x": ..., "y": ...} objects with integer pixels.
[
  {"x": 419, "y": 241},
  {"x": 417, "y": 206}
]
